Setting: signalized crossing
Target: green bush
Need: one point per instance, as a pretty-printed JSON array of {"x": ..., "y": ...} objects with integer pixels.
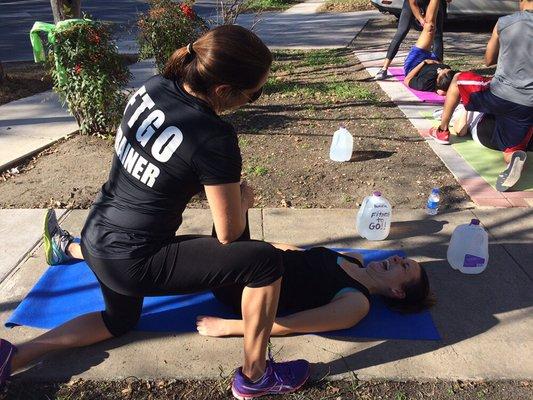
[
  {"x": 89, "y": 76},
  {"x": 165, "y": 27}
]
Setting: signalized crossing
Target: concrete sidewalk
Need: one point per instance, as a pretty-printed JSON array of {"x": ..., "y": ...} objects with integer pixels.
[
  {"x": 485, "y": 320},
  {"x": 31, "y": 124}
]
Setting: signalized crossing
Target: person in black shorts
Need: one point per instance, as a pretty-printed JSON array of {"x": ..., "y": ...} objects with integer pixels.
[
  {"x": 413, "y": 13},
  {"x": 423, "y": 69},
  {"x": 323, "y": 290},
  {"x": 171, "y": 145}
]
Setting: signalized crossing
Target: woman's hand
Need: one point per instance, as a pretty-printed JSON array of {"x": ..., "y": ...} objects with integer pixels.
[{"x": 247, "y": 195}]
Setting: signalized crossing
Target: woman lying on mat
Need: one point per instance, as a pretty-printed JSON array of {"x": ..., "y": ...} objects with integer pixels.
[{"x": 323, "y": 290}]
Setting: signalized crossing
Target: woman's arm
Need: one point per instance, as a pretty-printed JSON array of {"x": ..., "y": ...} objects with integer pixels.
[
  {"x": 342, "y": 312},
  {"x": 493, "y": 48},
  {"x": 415, "y": 71},
  {"x": 285, "y": 246},
  {"x": 229, "y": 204}
]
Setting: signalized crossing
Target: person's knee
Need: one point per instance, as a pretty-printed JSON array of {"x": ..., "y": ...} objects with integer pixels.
[
  {"x": 119, "y": 325},
  {"x": 268, "y": 267}
]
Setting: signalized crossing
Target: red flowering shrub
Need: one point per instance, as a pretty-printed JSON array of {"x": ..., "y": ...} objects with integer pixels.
[
  {"x": 166, "y": 27},
  {"x": 89, "y": 76}
]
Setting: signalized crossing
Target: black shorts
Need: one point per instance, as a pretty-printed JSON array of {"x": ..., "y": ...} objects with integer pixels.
[{"x": 186, "y": 264}]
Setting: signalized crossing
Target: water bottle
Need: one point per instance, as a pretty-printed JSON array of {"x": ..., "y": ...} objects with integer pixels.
[
  {"x": 432, "y": 205},
  {"x": 468, "y": 251},
  {"x": 341, "y": 146},
  {"x": 374, "y": 217}
]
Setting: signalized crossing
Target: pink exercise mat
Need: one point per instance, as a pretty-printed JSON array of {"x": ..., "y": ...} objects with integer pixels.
[{"x": 427, "y": 97}]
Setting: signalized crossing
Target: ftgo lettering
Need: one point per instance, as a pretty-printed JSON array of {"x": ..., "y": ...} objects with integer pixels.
[{"x": 162, "y": 148}]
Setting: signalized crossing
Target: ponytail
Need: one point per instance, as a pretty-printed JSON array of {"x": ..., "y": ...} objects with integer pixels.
[{"x": 228, "y": 54}]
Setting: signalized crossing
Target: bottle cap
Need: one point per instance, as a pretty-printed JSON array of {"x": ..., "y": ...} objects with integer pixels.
[
  {"x": 435, "y": 190},
  {"x": 376, "y": 193},
  {"x": 474, "y": 222}
]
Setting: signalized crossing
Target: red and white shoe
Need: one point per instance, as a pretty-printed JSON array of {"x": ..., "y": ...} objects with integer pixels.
[{"x": 441, "y": 137}]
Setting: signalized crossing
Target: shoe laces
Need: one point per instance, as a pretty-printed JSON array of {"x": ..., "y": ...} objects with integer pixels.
[{"x": 281, "y": 372}]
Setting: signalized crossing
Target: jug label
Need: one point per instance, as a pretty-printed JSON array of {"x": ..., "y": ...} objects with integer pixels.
[
  {"x": 473, "y": 261},
  {"x": 379, "y": 224}
]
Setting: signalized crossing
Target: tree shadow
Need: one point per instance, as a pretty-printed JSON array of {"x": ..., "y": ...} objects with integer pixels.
[{"x": 365, "y": 155}]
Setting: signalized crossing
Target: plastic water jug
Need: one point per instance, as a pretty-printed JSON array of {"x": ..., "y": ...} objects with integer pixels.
[
  {"x": 342, "y": 145},
  {"x": 374, "y": 217},
  {"x": 469, "y": 248}
]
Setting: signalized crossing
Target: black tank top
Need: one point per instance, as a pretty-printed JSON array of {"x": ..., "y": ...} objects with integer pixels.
[{"x": 312, "y": 278}]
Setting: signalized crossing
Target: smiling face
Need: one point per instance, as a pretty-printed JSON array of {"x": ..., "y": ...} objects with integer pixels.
[{"x": 394, "y": 273}]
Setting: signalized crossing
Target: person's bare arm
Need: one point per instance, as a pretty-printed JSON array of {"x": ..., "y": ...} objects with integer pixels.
[
  {"x": 285, "y": 246},
  {"x": 342, "y": 312},
  {"x": 416, "y": 12},
  {"x": 229, "y": 204},
  {"x": 493, "y": 48},
  {"x": 413, "y": 72}
]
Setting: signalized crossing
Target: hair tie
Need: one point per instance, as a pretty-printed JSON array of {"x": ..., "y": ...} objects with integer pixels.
[{"x": 190, "y": 50}]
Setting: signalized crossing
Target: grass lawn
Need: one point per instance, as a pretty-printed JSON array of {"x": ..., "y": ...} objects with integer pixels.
[{"x": 346, "y": 5}]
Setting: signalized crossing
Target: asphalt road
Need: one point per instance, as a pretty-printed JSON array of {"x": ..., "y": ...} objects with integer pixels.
[{"x": 18, "y": 16}]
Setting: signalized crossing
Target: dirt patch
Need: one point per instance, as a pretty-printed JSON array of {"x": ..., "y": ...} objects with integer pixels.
[
  {"x": 23, "y": 79},
  {"x": 285, "y": 139},
  {"x": 26, "y": 78},
  {"x": 340, "y": 6},
  {"x": 133, "y": 388}
]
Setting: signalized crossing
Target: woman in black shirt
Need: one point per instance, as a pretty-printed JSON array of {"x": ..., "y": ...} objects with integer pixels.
[
  {"x": 171, "y": 144},
  {"x": 323, "y": 290}
]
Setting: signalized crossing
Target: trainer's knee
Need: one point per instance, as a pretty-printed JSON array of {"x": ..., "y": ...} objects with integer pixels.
[
  {"x": 120, "y": 325},
  {"x": 268, "y": 266}
]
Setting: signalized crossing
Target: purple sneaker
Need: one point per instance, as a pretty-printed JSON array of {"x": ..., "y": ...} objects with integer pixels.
[
  {"x": 279, "y": 378},
  {"x": 6, "y": 352}
]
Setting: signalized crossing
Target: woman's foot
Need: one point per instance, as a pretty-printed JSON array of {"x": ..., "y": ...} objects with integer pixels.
[
  {"x": 213, "y": 326},
  {"x": 381, "y": 74},
  {"x": 7, "y": 350},
  {"x": 56, "y": 240}
]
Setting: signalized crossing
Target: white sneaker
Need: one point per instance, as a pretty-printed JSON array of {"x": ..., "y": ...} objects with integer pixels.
[
  {"x": 508, "y": 178},
  {"x": 381, "y": 74}
]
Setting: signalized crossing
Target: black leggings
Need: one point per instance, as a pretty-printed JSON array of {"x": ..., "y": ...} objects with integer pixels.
[
  {"x": 186, "y": 264},
  {"x": 404, "y": 25}
]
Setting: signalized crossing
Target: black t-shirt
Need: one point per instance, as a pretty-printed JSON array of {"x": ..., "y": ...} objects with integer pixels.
[
  {"x": 312, "y": 278},
  {"x": 426, "y": 79},
  {"x": 168, "y": 146}
]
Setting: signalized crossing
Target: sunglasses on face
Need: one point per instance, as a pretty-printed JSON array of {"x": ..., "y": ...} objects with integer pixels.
[{"x": 254, "y": 96}]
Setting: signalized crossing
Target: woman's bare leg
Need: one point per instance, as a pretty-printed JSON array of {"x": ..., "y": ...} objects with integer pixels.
[
  {"x": 259, "y": 306},
  {"x": 81, "y": 331}
]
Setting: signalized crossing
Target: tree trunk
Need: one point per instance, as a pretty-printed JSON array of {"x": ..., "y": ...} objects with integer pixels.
[
  {"x": 2, "y": 73},
  {"x": 65, "y": 9}
]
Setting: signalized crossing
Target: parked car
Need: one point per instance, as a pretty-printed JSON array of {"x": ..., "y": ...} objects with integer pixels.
[{"x": 465, "y": 9}]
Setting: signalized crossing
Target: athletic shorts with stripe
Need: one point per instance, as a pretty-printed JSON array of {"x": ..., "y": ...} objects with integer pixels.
[{"x": 513, "y": 122}]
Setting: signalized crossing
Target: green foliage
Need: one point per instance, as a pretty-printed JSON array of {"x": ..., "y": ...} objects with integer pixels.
[
  {"x": 264, "y": 5},
  {"x": 337, "y": 90},
  {"x": 92, "y": 77},
  {"x": 256, "y": 170},
  {"x": 166, "y": 27},
  {"x": 319, "y": 58}
]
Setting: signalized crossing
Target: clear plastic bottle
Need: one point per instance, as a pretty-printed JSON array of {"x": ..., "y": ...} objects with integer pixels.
[
  {"x": 374, "y": 217},
  {"x": 341, "y": 145},
  {"x": 469, "y": 248},
  {"x": 432, "y": 205}
]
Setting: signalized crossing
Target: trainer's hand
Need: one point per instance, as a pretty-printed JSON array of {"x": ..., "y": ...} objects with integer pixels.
[
  {"x": 421, "y": 21},
  {"x": 247, "y": 194}
]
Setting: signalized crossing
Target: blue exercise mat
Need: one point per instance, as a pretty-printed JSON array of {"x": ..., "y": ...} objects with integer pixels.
[{"x": 67, "y": 291}]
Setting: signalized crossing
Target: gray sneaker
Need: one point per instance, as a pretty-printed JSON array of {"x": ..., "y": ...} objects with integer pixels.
[
  {"x": 56, "y": 240},
  {"x": 381, "y": 74},
  {"x": 508, "y": 178}
]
